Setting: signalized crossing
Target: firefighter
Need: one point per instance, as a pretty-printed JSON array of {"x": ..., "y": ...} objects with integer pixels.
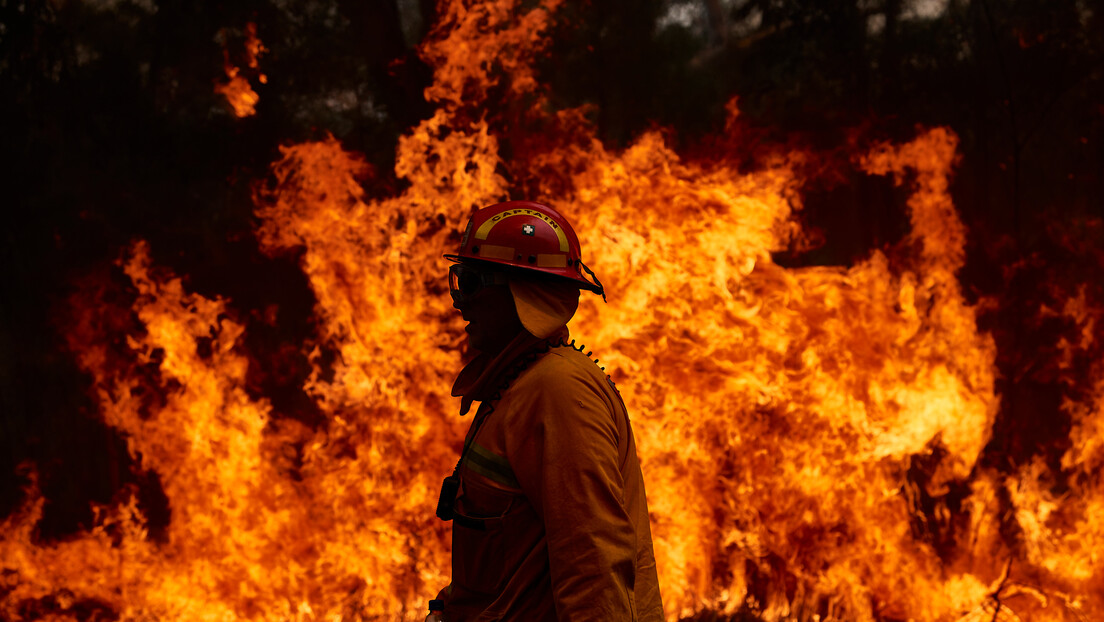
[{"x": 549, "y": 516}]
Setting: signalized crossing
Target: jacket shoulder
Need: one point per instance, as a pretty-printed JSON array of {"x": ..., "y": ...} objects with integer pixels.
[{"x": 562, "y": 370}]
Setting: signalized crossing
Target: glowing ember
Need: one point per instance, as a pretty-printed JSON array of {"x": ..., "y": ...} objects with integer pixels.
[
  {"x": 237, "y": 90},
  {"x": 800, "y": 429}
]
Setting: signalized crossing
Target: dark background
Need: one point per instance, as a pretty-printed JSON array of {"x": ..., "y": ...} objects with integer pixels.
[{"x": 113, "y": 132}]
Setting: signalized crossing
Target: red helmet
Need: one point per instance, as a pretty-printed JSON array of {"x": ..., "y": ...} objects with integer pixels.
[{"x": 526, "y": 236}]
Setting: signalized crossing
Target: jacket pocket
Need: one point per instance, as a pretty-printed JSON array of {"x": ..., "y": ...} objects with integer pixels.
[{"x": 482, "y": 555}]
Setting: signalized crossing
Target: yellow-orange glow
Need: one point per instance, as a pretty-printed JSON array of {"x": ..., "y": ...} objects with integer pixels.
[
  {"x": 236, "y": 89},
  {"x": 778, "y": 411}
]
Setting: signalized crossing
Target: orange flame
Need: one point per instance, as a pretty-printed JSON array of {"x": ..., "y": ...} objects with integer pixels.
[
  {"x": 790, "y": 421},
  {"x": 236, "y": 89}
]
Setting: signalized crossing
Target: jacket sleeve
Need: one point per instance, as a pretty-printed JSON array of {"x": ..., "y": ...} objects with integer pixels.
[{"x": 567, "y": 451}]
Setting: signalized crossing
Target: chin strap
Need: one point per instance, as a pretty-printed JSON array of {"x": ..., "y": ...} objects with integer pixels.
[{"x": 601, "y": 289}]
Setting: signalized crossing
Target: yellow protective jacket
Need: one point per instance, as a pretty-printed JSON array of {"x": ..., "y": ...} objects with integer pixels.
[{"x": 553, "y": 520}]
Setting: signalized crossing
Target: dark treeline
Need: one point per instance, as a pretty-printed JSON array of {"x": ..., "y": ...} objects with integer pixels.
[{"x": 113, "y": 132}]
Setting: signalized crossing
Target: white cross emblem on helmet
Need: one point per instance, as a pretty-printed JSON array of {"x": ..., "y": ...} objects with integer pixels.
[{"x": 527, "y": 229}]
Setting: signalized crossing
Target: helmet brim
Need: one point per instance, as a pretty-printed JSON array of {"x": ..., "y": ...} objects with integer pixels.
[{"x": 535, "y": 275}]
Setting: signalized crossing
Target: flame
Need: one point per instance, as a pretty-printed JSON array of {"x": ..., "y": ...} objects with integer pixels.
[
  {"x": 236, "y": 89},
  {"x": 1063, "y": 533},
  {"x": 810, "y": 436},
  {"x": 792, "y": 399}
]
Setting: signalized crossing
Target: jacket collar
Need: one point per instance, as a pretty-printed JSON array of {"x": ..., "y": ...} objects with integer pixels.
[{"x": 485, "y": 374}]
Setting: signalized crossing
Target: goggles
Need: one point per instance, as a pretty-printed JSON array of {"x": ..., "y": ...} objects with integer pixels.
[{"x": 465, "y": 281}]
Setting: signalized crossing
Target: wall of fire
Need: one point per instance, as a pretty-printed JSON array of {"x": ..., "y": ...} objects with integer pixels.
[{"x": 855, "y": 253}]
